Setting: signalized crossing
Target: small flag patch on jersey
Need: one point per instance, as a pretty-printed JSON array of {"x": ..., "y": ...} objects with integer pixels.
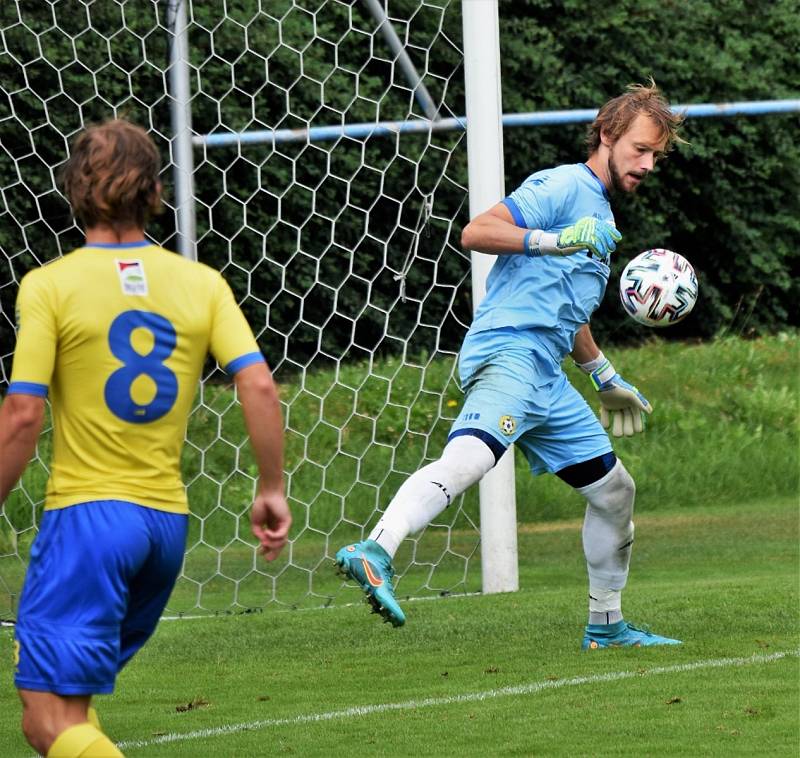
[{"x": 131, "y": 277}]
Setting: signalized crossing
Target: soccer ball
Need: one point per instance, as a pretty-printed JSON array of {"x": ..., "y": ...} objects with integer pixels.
[{"x": 658, "y": 288}]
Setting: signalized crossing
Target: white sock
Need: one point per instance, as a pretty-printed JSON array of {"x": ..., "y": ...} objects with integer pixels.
[
  {"x": 425, "y": 494},
  {"x": 605, "y": 606}
]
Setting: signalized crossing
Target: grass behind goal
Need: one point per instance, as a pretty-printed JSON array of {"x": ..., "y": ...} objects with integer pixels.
[{"x": 494, "y": 675}]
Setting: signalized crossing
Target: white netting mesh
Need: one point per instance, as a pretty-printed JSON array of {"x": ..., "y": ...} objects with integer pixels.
[{"x": 341, "y": 246}]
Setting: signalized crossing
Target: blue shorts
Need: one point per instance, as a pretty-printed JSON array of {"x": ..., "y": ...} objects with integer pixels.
[
  {"x": 99, "y": 577},
  {"x": 523, "y": 397}
]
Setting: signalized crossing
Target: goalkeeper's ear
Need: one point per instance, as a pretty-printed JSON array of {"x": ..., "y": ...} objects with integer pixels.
[{"x": 606, "y": 139}]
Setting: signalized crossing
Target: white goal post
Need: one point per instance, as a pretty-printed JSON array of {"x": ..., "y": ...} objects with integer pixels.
[
  {"x": 315, "y": 153},
  {"x": 486, "y": 188}
]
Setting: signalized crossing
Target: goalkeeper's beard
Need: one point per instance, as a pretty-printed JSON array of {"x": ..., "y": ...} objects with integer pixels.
[{"x": 617, "y": 184}]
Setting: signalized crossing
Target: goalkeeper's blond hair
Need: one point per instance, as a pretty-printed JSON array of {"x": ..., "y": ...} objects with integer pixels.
[
  {"x": 111, "y": 176},
  {"x": 617, "y": 115}
]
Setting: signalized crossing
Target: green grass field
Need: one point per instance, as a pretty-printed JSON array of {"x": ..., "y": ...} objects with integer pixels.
[
  {"x": 494, "y": 675},
  {"x": 724, "y": 431},
  {"x": 716, "y": 563}
]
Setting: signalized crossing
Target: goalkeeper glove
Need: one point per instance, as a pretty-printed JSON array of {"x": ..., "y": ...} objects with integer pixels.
[
  {"x": 599, "y": 237},
  {"x": 622, "y": 406}
]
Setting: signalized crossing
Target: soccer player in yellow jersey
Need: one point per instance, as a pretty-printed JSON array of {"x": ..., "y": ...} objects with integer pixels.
[{"x": 116, "y": 334}]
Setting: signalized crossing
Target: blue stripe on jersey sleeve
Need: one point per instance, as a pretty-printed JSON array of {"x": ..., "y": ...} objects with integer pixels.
[
  {"x": 515, "y": 212},
  {"x": 243, "y": 361},
  {"x": 27, "y": 388}
]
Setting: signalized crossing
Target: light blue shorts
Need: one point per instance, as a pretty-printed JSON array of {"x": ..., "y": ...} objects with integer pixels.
[
  {"x": 523, "y": 397},
  {"x": 100, "y": 574}
]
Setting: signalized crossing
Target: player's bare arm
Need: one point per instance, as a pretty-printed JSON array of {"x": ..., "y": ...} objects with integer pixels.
[
  {"x": 495, "y": 232},
  {"x": 21, "y": 419},
  {"x": 585, "y": 348},
  {"x": 270, "y": 517}
]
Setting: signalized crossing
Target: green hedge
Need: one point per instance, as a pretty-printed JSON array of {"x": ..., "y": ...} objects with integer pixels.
[
  {"x": 307, "y": 230},
  {"x": 729, "y": 201}
]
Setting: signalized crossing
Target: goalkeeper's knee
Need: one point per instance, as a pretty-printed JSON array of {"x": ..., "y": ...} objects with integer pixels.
[
  {"x": 608, "y": 527},
  {"x": 612, "y": 496},
  {"x": 426, "y": 493}
]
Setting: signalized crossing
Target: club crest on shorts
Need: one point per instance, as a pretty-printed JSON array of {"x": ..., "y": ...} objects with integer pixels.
[{"x": 508, "y": 424}]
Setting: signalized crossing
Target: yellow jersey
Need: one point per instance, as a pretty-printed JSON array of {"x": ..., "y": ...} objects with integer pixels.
[{"x": 117, "y": 335}]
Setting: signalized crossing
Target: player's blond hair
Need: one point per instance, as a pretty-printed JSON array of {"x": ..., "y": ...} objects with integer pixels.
[
  {"x": 111, "y": 176},
  {"x": 617, "y": 115}
]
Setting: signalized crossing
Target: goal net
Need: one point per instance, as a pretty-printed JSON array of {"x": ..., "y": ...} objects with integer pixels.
[{"x": 328, "y": 196}]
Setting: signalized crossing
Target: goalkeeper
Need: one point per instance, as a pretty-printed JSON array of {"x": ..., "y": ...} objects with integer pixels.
[
  {"x": 116, "y": 333},
  {"x": 554, "y": 237}
]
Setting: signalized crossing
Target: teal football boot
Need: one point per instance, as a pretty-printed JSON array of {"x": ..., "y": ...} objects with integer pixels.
[
  {"x": 370, "y": 565},
  {"x": 621, "y": 634}
]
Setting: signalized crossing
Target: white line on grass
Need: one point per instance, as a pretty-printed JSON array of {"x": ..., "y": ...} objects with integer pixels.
[
  {"x": 433, "y": 702},
  {"x": 361, "y": 601}
]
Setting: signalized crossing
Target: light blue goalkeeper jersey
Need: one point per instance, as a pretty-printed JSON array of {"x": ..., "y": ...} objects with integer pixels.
[{"x": 535, "y": 303}]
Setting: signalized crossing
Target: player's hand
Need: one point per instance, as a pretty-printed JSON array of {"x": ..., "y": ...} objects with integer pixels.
[
  {"x": 590, "y": 233},
  {"x": 622, "y": 406},
  {"x": 270, "y": 520}
]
